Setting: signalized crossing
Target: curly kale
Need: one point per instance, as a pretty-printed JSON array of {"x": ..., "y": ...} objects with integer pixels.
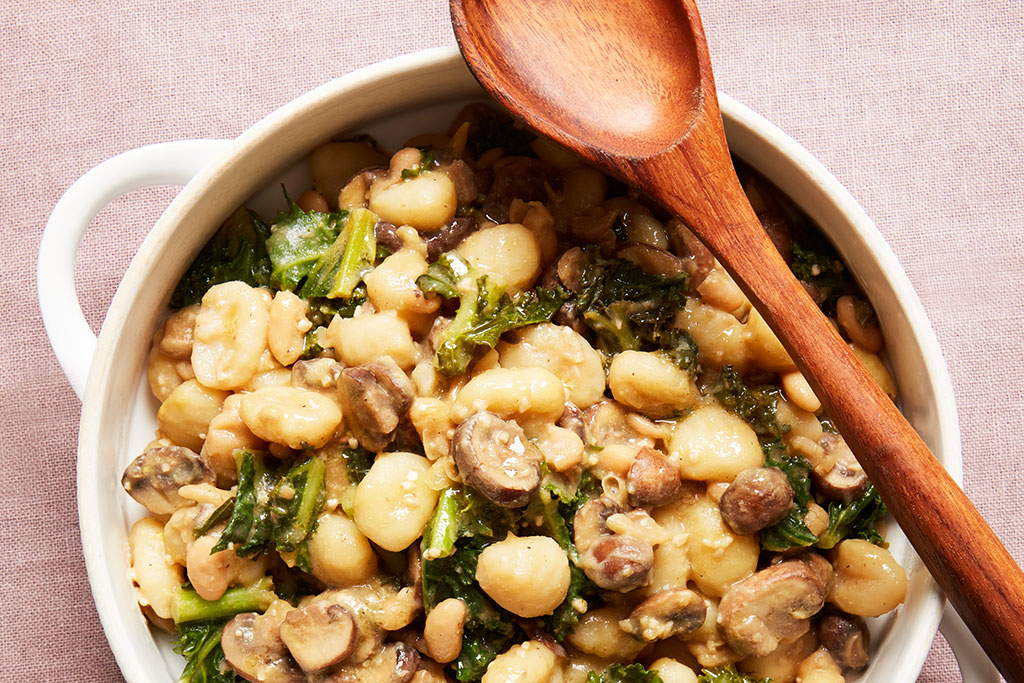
[
  {"x": 485, "y": 311},
  {"x": 426, "y": 162},
  {"x": 237, "y": 251},
  {"x": 188, "y": 607},
  {"x": 756, "y": 405},
  {"x": 630, "y": 309},
  {"x": 488, "y": 630},
  {"x": 791, "y": 531},
  {"x": 199, "y": 644},
  {"x": 298, "y": 239},
  {"x": 556, "y": 509},
  {"x": 274, "y": 511},
  {"x": 623, "y": 673},
  {"x": 856, "y": 519},
  {"x": 728, "y": 674}
]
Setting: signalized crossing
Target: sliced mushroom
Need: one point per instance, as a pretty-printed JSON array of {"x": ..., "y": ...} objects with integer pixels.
[
  {"x": 619, "y": 562},
  {"x": 771, "y": 606},
  {"x": 319, "y": 635},
  {"x": 153, "y": 478},
  {"x": 607, "y": 425},
  {"x": 846, "y": 638},
  {"x": 572, "y": 419},
  {"x": 672, "y": 612},
  {"x": 652, "y": 480},
  {"x": 779, "y": 230},
  {"x": 252, "y": 646},
  {"x": 448, "y": 237},
  {"x": 846, "y": 480},
  {"x": 495, "y": 458},
  {"x": 395, "y": 663},
  {"x": 316, "y": 374},
  {"x": 374, "y": 398},
  {"x": 651, "y": 259},
  {"x": 464, "y": 180},
  {"x": 570, "y": 268},
  {"x": 757, "y": 498},
  {"x": 591, "y": 522},
  {"x": 386, "y": 235}
]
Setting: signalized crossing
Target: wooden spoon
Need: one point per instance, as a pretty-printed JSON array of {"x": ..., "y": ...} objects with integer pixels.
[{"x": 627, "y": 84}]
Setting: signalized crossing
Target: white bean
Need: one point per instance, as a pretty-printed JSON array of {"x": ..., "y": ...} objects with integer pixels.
[
  {"x": 230, "y": 335},
  {"x": 394, "y": 502},
  {"x": 443, "y": 630},
  {"x": 764, "y": 347},
  {"x": 287, "y": 327},
  {"x": 290, "y": 416},
  {"x": 154, "y": 573}
]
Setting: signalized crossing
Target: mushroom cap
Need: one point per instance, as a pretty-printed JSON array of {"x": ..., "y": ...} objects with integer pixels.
[
  {"x": 771, "y": 606},
  {"x": 652, "y": 480},
  {"x": 846, "y": 638},
  {"x": 619, "y": 562},
  {"x": 756, "y": 499},
  {"x": 319, "y": 635},
  {"x": 846, "y": 480},
  {"x": 374, "y": 398},
  {"x": 153, "y": 478},
  {"x": 495, "y": 458},
  {"x": 253, "y": 648},
  {"x": 667, "y": 613}
]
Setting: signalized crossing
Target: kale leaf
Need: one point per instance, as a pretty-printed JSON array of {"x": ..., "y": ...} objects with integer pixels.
[
  {"x": 426, "y": 161},
  {"x": 199, "y": 644},
  {"x": 485, "y": 311},
  {"x": 297, "y": 241},
  {"x": 341, "y": 267},
  {"x": 274, "y": 511},
  {"x": 630, "y": 309},
  {"x": 855, "y": 519},
  {"x": 488, "y": 630},
  {"x": 622, "y": 673},
  {"x": 237, "y": 251},
  {"x": 756, "y": 405},
  {"x": 791, "y": 531},
  {"x": 727, "y": 674}
]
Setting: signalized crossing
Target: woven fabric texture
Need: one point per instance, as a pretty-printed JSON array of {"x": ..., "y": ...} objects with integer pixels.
[{"x": 915, "y": 105}]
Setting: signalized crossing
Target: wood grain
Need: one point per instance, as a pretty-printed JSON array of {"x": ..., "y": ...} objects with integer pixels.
[{"x": 628, "y": 85}]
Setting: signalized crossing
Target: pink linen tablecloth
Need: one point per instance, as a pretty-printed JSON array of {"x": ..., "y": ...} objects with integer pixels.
[{"x": 916, "y": 106}]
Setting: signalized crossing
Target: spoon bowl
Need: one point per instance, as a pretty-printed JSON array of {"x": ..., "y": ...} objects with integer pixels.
[
  {"x": 628, "y": 85},
  {"x": 642, "y": 102}
]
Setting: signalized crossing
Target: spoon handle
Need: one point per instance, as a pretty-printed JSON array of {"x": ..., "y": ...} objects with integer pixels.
[{"x": 964, "y": 556}]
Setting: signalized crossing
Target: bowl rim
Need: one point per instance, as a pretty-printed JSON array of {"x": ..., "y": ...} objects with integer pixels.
[{"x": 118, "y": 632}]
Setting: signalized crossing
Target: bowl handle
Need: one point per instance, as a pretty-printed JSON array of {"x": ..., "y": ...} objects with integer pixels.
[
  {"x": 975, "y": 665},
  {"x": 165, "y": 163}
]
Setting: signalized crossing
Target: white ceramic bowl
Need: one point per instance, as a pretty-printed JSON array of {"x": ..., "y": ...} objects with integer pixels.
[{"x": 393, "y": 99}]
